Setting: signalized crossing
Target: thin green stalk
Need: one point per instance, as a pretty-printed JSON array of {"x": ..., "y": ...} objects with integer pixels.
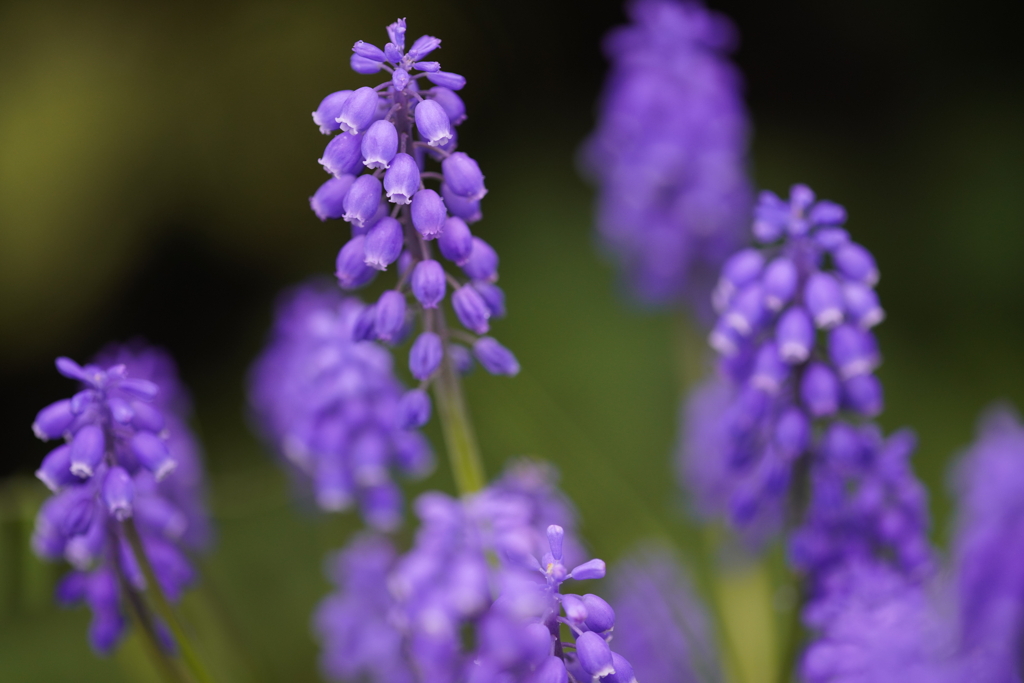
[
  {"x": 793, "y": 636},
  {"x": 463, "y": 452},
  {"x": 167, "y": 667},
  {"x": 163, "y": 607}
]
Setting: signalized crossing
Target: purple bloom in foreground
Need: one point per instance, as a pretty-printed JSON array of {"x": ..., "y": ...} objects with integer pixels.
[
  {"x": 661, "y": 627},
  {"x": 129, "y": 458},
  {"x": 330, "y": 406},
  {"x": 669, "y": 153},
  {"x": 488, "y": 564},
  {"x": 402, "y": 210}
]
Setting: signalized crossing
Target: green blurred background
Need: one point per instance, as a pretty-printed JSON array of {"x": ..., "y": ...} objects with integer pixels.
[{"x": 155, "y": 160}]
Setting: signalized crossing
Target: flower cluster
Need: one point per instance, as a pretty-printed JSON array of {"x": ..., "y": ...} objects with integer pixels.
[
  {"x": 331, "y": 406},
  {"x": 128, "y": 459},
  {"x": 391, "y": 132},
  {"x": 474, "y": 564},
  {"x": 669, "y": 152},
  {"x": 662, "y": 627},
  {"x": 793, "y": 333}
]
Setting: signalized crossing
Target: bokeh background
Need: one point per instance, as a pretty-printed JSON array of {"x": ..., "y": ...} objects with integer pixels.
[{"x": 155, "y": 160}]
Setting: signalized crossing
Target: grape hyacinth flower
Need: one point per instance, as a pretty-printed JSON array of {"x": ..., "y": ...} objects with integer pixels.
[
  {"x": 474, "y": 564},
  {"x": 392, "y": 132},
  {"x": 129, "y": 471},
  {"x": 331, "y": 406},
  {"x": 669, "y": 153},
  {"x": 662, "y": 627},
  {"x": 797, "y": 353}
]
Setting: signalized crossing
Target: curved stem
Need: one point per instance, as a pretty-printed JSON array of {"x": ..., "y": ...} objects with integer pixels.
[{"x": 163, "y": 607}]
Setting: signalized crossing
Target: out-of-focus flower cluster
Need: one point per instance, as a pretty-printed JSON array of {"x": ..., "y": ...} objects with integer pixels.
[
  {"x": 330, "y": 406},
  {"x": 493, "y": 563},
  {"x": 391, "y": 131},
  {"x": 128, "y": 458},
  {"x": 669, "y": 152}
]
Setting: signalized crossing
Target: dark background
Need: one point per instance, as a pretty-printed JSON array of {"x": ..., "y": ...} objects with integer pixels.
[{"x": 155, "y": 161}]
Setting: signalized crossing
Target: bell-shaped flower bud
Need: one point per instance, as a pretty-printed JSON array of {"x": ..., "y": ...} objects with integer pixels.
[
  {"x": 383, "y": 243},
  {"x": 423, "y": 46},
  {"x": 452, "y": 104},
  {"x": 592, "y": 569},
  {"x": 471, "y": 310},
  {"x": 446, "y": 79},
  {"x": 856, "y": 263},
  {"x": 362, "y": 201},
  {"x": 153, "y": 454},
  {"x": 393, "y": 52},
  {"x": 769, "y": 369},
  {"x": 343, "y": 155},
  {"x": 53, "y": 421},
  {"x": 412, "y": 454},
  {"x": 746, "y": 311},
  {"x": 819, "y": 390},
  {"x": 326, "y": 115},
  {"x": 862, "y": 307},
  {"x": 425, "y": 356},
  {"x": 575, "y": 610},
  {"x": 594, "y": 654},
  {"x": 364, "y": 66},
  {"x": 863, "y": 395},
  {"x": 402, "y": 179},
  {"x": 463, "y": 177},
  {"x": 495, "y": 358},
  {"x": 623, "y": 671},
  {"x": 853, "y": 351},
  {"x": 381, "y": 506},
  {"x": 556, "y": 539},
  {"x": 794, "y": 335},
  {"x": 358, "y": 111},
  {"x": 427, "y": 66},
  {"x": 824, "y": 299},
  {"x": 87, "y": 449},
  {"x": 350, "y": 266},
  {"x": 428, "y": 214},
  {"x": 139, "y": 388},
  {"x": 792, "y": 433},
  {"x": 724, "y": 339},
  {"x": 119, "y": 493},
  {"x": 465, "y": 209},
  {"x": 332, "y": 485},
  {"x": 433, "y": 123},
  {"x": 493, "y": 295},
  {"x": 842, "y": 445},
  {"x": 600, "y": 615},
  {"x": 369, "y": 51},
  {"x": 160, "y": 517},
  {"x": 55, "y": 470},
  {"x": 428, "y": 283},
  {"x": 831, "y": 239},
  {"x": 779, "y": 282},
  {"x": 329, "y": 200},
  {"x": 740, "y": 269},
  {"x": 456, "y": 241},
  {"x": 482, "y": 263},
  {"x": 120, "y": 410},
  {"x": 380, "y": 144},
  {"x": 461, "y": 358},
  {"x": 78, "y": 517},
  {"x": 400, "y": 79},
  {"x": 826, "y": 212},
  {"x": 413, "y": 409},
  {"x": 369, "y": 459},
  {"x": 389, "y": 316}
]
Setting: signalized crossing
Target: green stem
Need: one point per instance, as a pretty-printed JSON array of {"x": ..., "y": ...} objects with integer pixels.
[
  {"x": 463, "y": 452},
  {"x": 163, "y": 607},
  {"x": 793, "y": 636},
  {"x": 167, "y": 667}
]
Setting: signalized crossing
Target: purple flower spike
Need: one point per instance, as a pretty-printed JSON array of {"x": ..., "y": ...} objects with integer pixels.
[
  {"x": 329, "y": 200},
  {"x": 350, "y": 267},
  {"x": 819, "y": 390},
  {"x": 413, "y": 409},
  {"x": 87, "y": 450},
  {"x": 383, "y": 243},
  {"x": 358, "y": 111},
  {"x": 824, "y": 300},
  {"x": 428, "y": 214},
  {"x": 326, "y": 115},
  {"x": 482, "y": 263},
  {"x": 495, "y": 358},
  {"x": 343, "y": 155},
  {"x": 402, "y": 179},
  {"x": 452, "y": 104},
  {"x": 425, "y": 356},
  {"x": 471, "y": 309},
  {"x": 389, "y": 316},
  {"x": 594, "y": 654},
  {"x": 379, "y": 145},
  {"x": 463, "y": 176},
  {"x": 456, "y": 241},
  {"x": 119, "y": 493},
  {"x": 432, "y": 122},
  {"x": 428, "y": 283},
  {"x": 362, "y": 201}
]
